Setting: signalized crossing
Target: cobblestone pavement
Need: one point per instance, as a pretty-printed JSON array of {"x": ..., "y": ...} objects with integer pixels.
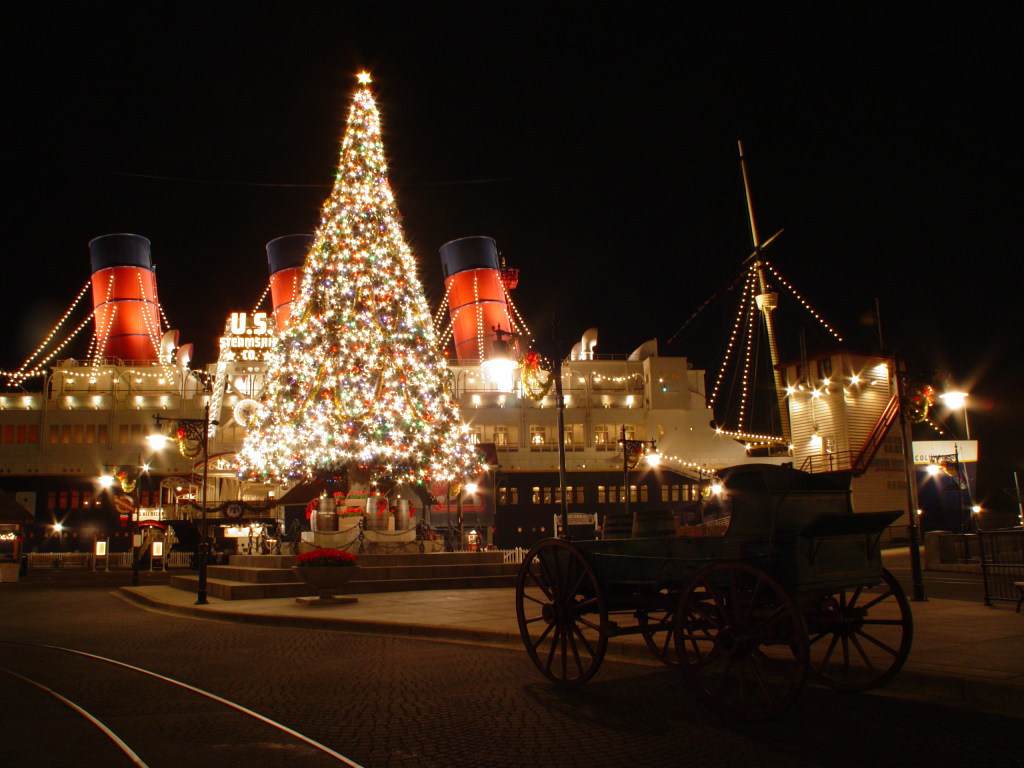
[{"x": 387, "y": 701}]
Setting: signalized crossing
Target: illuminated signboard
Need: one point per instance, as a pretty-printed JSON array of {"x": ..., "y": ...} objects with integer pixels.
[{"x": 250, "y": 336}]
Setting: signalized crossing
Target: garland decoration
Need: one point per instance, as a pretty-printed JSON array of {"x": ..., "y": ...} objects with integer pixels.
[
  {"x": 190, "y": 449},
  {"x": 532, "y": 369},
  {"x": 920, "y": 398}
]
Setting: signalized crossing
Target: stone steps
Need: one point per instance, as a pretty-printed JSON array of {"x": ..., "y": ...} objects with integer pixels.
[{"x": 256, "y": 577}]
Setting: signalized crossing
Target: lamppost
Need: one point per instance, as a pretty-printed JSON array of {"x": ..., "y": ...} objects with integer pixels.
[
  {"x": 196, "y": 432},
  {"x": 913, "y": 524},
  {"x": 958, "y": 401},
  {"x": 126, "y": 478},
  {"x": 631, "y": 453}
]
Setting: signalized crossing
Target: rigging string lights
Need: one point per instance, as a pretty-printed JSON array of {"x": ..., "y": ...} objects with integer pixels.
[
  {"x": 440, "y": 314},
  {"x": 448, "y": 330},
  {"x": 16, "y": 377},
  {"x": 674, "y": 462},
  {"x": 746, "y": 312},
  {"x": 519, "y": 325},
  {"x": 748, "y": 290},
  {"x": 111, "y": 313},
  {"x": 803, "y": 302},
  {"x": 478, "y": 308},
  {"x": 255, "y": 309},
  {"x": 748, "y": 355},
  {"x": 154, "y": 333}
]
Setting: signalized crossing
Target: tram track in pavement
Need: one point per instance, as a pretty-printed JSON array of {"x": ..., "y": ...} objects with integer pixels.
[{"x": 88, "y": 685}]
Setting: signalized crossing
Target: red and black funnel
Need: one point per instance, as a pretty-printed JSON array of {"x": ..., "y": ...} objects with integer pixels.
[
  {"x": 285, "y": 256},
  {"x": 124, "y": 299},
  {"x": 476, "y": 295}
]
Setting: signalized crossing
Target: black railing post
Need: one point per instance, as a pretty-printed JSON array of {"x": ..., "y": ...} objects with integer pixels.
[{"x": 984, "y": 567}]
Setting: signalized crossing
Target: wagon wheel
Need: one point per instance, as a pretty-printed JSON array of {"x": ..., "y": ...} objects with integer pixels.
[
  {"x": 561, "y": 612},
  {"x": 858, "y": 638},
  {"x": 659, "y": 634},
  {"x": 741, "y": 640}
]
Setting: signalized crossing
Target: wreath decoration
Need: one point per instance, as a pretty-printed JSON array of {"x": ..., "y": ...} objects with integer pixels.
[
  {"x": 920, "y": 398},
  {"x": 127, "y": 480},
  {"x": 189, "y": 448},
  {"x": 536, "y": 377}
]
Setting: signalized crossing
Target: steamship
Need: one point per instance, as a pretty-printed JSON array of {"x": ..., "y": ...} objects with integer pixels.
[{"x": 86, "y": 423}]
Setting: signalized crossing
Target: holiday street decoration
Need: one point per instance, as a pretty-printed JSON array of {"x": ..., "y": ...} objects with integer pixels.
[
  {"x": 356, "y": 381},
  {"x": 127, "y": 478},
  {"x": 919, "y": 399},
  {"x": 536, "y": 376}
]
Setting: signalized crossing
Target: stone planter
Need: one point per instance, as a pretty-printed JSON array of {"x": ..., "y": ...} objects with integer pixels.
[{"x": 325, "y": 581}]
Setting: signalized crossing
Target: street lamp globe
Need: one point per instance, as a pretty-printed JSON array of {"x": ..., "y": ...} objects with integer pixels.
[{"x": 954, "y": 400}]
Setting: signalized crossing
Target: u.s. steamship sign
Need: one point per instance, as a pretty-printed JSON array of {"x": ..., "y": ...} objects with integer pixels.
[{"x": 249, "y": 336}]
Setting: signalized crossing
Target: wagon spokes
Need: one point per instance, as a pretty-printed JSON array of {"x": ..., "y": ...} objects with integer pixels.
[
  {"x": 873, "y": 637},
  {"x": 741, "y": 640},
  {"x": 562, "y": 618}
]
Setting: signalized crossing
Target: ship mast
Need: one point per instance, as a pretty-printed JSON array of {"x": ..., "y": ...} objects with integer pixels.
[{"x": 767, "y": 301}]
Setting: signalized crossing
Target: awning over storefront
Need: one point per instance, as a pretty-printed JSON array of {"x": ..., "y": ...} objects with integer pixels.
[
  {"x": 12, "y": 513},
  {"x": 303, "y": 493}
]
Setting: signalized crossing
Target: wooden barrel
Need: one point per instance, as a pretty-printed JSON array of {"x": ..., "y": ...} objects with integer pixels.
[
  {"x": 403, "y": 518},
  {"x": 377, "y": 515},
  {"x": 326, "y": 521},
  {"x": 651, "y": 523},
  {"x": 617, "y": 525}
]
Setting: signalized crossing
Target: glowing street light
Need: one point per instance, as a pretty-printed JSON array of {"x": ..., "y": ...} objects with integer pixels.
[
  {"x": 957, "y": 401},
  {"x": 500, "y": 367}
]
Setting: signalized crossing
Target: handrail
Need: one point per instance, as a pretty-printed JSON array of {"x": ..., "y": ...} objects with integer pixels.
[
  {"x": 874, "y": 441},
  {"x": 832, "y": 462}
]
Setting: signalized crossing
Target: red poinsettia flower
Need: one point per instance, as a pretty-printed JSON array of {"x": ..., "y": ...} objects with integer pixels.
[{"x": 325, "y": 558}]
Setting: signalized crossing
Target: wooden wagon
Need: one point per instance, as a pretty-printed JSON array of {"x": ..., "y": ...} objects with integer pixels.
[{"x": 795, "y": 587}]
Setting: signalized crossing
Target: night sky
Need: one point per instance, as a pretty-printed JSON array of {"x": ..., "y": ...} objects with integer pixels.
[{"x": 596, "y": 143}]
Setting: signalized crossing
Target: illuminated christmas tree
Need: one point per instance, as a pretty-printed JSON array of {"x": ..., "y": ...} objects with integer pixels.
[{"x": 357, "y": 381}]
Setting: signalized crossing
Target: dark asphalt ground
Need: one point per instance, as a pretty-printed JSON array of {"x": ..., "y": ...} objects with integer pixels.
[{"x": 387, "y": 701}]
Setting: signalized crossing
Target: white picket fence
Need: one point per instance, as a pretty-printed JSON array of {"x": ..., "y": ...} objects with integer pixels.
[
  {"x": 113, "y": 561},
  {"x": 513, "y": 555}
]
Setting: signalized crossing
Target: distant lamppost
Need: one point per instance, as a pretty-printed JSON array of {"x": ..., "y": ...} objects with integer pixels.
[
  {"x": 632, "y": 450},
  {"x": 194, "y": 432},
  {"x": 705, "y": 490},
  {"x": 126, "y": 477},
  {"x": 470, "y": 488}
]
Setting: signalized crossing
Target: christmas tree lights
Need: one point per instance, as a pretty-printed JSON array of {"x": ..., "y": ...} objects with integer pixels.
[{"x": 357, "y": 380}]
